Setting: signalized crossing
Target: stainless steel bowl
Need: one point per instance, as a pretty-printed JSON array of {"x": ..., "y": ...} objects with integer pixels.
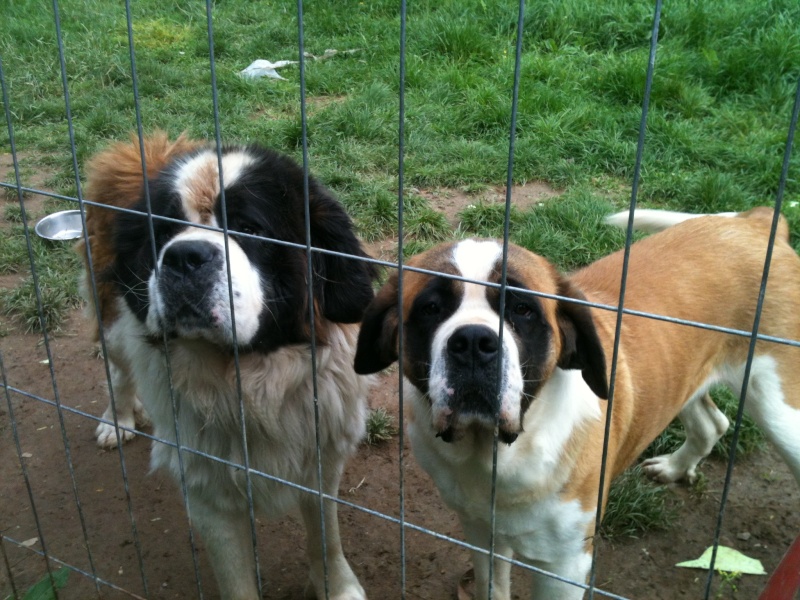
[{"x": 64, "y": 225}]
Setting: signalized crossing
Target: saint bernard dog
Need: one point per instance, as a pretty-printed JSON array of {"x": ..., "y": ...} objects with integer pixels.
[
  {"x": 177, "y": 299},
  {"x": 543, "y": 383}
]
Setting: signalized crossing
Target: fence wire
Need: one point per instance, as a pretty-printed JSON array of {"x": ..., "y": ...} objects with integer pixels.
[{"x": 100, "y": 582}]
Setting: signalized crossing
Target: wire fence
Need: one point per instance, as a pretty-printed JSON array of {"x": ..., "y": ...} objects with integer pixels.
[{"x": 13, "y": 547}]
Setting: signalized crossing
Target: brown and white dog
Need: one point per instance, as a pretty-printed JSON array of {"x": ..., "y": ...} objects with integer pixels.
[
  {"x": 169, "y": 331},
  {"x": 547, "y": 398}
]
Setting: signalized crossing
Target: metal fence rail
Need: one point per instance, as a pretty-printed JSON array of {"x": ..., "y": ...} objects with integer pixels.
[{"x": 14, "y": 395}]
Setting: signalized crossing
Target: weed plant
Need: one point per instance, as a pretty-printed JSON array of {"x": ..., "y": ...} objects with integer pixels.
[{"x": 381, "y": 426}]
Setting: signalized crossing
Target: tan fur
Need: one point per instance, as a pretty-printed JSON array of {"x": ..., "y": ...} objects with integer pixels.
[
  {"x": 203, "y": 190},
  {"x": 704, "y": 270},
  {"x": 662, "y": 364}
]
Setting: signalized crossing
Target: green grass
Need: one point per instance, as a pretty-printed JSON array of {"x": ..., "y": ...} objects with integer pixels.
[
  {"x": 636, "y": 505},
  {"x": 57, "y": 266},
  {"x": 47, "y": 588}
]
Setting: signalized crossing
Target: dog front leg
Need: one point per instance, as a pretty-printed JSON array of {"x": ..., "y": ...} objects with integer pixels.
[
  {"x": 573, "y": 568},
  {"x": 478, "y": 534},
  {"x": 130, "y": 411},
  {"x": 342, "y": 582},
  {"x": 229, "y": 542}
]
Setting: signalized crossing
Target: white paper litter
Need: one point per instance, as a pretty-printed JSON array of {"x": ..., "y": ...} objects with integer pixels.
[
  {"x": 264, "y": 68},
  {"x": 728, "y": 560}
]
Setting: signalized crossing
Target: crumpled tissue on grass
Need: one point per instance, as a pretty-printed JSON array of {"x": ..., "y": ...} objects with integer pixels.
[{"x": 264, "y": 68}]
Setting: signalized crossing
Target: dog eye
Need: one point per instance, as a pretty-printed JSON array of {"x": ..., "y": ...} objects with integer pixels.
[
  {"x": 248, "y": 229},
  {"x": 521, "y": 309},
  {"x": 431, "y": 308}
]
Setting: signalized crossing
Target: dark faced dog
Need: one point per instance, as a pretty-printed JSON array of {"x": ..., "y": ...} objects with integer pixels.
[{"x": 177, "y": 300}]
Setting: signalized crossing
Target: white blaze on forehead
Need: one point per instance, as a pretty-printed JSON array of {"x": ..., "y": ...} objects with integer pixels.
[
  {"x": 476, "y": 260},
  {"x": 233, "y": 164},
  {"x": 197, "y": 182}
]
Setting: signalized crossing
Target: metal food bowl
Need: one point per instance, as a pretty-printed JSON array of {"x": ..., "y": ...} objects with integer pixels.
[{"x": 64, "y": 225}]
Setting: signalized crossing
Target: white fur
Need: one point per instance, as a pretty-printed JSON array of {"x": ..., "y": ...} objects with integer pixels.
[
  {"x": 248, "y": 291},
  {"x": 475, "y": 260},
  {"x": 204, "y": 167},
  {"x": 653, "y": 220},
  {"x": 532, "y": 521},
  {"x": 278, "y": 404}
]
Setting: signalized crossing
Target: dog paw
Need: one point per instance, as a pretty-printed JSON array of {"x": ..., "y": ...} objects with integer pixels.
[
  {"x": 106, "y": 433},
  {"x": 665, "y": 470},
  {"x": 140, "y": 415}
]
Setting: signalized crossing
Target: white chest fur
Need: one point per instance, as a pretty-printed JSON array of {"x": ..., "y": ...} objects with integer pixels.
[
  {"x": 530, "y": 516},
  {"x": 278, "y": 396}
]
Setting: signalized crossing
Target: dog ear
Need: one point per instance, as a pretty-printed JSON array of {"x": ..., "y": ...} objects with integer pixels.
[
  {"x": 343, "y": 284},
  {"x": 377, "y": 340},
  {"x": 580, "y": 344}
]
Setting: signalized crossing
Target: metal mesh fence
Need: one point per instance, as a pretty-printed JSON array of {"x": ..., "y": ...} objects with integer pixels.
[{"x": 82, "y": 559}]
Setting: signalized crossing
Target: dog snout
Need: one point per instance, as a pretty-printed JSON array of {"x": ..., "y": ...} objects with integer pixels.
[
  {"x": 473, "y": 346},
  {"x": 189, "y": 257}
]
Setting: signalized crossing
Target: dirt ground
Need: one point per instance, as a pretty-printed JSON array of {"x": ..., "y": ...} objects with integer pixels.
[
  {"x": 761, "y": 517},
  {"x": 762, "y": 508}
]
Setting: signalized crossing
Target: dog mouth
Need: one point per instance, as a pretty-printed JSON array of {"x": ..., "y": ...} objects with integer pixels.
[
  {"x": 451, "y": 434},
  {"x": 452, "y": 424}
]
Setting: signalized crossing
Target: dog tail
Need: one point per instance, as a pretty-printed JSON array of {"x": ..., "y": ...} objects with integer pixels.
[{"x": 651, "y": 220}]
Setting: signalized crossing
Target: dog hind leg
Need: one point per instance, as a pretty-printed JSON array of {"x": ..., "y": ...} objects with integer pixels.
[
  {"x": 769, "y": 407},
  {"x": 704, "y": 424}
]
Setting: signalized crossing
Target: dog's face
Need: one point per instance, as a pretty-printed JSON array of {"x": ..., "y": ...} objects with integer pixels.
[
  {"x": 176, "y": 281},
  {"x": 454, "y": 353}
]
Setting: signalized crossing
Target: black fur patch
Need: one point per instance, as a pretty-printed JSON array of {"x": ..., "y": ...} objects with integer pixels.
[{"x": 266, "y": 199}]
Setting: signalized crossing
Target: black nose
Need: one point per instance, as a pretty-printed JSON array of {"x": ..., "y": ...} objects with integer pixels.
[
  {"x": 187, "y": 257},
  {"x": 473, "y": 344}
]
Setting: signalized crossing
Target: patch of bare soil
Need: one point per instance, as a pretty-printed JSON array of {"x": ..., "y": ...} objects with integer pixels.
[
  {"x": 34, "y": 203},
  {"x": 763, "y": 503},
  {"x": 451, "y": 202}
]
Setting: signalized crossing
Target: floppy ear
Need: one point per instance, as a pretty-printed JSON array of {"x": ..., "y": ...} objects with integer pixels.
[
  {"x": 377, "y": 340},
  {"x": 343, "y": 284},
  {"x": 580, "y": 344}
]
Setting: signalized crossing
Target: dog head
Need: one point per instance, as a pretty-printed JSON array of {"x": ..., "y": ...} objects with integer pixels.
[
  {"x": 175, "y": 276},
  {"x": 453, "y": 350}
]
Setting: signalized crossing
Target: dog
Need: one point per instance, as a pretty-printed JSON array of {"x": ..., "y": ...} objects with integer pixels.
[
  {"x": 546, "y": 397},
  {"x": 170, "y": 334}
]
